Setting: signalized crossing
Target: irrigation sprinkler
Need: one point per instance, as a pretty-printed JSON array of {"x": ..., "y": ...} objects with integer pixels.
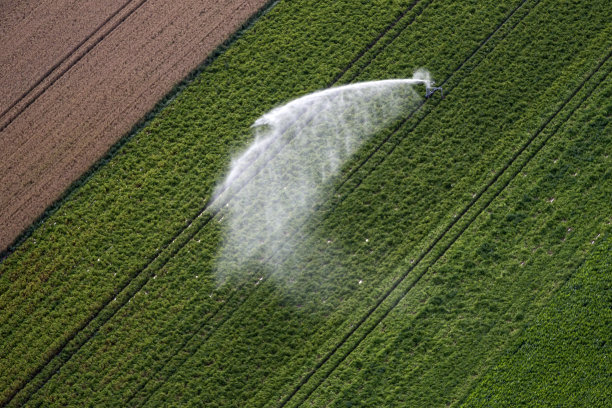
[{"x": 430, "y": 89}]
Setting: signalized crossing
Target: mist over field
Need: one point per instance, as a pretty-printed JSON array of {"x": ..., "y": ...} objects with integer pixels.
[
  {"x": 385, "y": 243},
  {"x": 298, "y": 149}
]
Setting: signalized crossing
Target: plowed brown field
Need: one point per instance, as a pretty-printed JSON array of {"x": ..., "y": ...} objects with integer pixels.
[{"x": 75, "y": 76}]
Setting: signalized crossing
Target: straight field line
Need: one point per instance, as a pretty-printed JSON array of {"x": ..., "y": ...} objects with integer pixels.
[
  {"x": 62, "y": 60},
  {"x": 71, "y": 64},
  {"x": 443, "y": 251},
  {"x": 227, "y": 317},
  {"x": 123, "y": 298}
]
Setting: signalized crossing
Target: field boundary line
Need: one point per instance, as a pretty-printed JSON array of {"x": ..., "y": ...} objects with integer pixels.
[
  {"x": 245, "y": 182},
  {"x": 70, "y": 65},
  {"x": 384, "y": 142},
  {"x": 43, "y": 169},
  {"x": 453, "y": 239},
  {"x": 165, "y": 101},
  {"x": 137, "y": 127},
  {"x": 118, "y": 294}
]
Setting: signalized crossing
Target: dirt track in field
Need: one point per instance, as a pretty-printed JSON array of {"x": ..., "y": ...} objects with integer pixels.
[{"x": 76, "y": 75}]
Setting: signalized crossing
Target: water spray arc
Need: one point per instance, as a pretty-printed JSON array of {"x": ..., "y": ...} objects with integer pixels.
[{"x": 298, "y": 149}]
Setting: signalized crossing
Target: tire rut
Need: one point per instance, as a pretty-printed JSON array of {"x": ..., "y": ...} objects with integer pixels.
[
  {"x": 53, "y": 79},
  {"x": 57, "y": 353},
  {"x": 351, "y": 174},
  {"x": 462, "y": 229}
]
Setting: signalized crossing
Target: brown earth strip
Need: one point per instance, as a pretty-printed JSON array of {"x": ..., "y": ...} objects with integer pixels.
[
  {"x": 33, "y": 43},
  {"x": 96, "y": 96}
]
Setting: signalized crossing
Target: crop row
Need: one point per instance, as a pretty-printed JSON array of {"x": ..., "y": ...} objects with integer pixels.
[
  {"x": 51, "y": 76},
  {"x": 277, "y": 334},
  {"x": 116, "y": 223},
  {"x": 562, "y": 357},
  {"x": 319, "y": 266},
  {"x": 462, "y": 308}
]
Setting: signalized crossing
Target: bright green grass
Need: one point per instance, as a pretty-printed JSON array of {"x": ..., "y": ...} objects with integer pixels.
[{"x": 457, "y": 218}]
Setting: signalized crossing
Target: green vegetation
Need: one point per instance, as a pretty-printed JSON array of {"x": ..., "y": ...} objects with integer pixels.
[
  {"x": 118, "y": 223},
  {"x": 440, "y": 242},
  {"x": 466, "y": 303},
  {"x": 562, "y": 358}
]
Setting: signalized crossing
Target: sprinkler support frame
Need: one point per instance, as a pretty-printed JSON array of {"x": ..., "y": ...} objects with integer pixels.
[{"x": 430, "y": 90}]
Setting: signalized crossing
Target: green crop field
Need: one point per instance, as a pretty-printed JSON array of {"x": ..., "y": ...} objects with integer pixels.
[
  {"x": 562, "y": 359},
  {"x": 459, "y": 258}
]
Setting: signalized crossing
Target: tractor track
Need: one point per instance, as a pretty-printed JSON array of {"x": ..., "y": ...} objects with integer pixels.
[
  {"x": 350, "y": 175},
  {"x": 61, "y": 61},
  {"x": 106, "y": 96},
  {"x": 67, "y": 57},
  {"x": 373, "y": 43},
  {"x": 443, "y": 251},
  {"x": 57, "y": 353},
  {"x": 208, "y": 218}
]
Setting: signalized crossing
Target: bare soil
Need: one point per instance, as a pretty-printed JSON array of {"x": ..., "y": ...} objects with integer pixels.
[{"x": 77, "y": 75}]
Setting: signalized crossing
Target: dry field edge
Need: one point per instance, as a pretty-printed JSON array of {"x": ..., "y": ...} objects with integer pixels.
[
  {"x": 9, "y": 248},
  {"x": 92, "y": 100}
]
